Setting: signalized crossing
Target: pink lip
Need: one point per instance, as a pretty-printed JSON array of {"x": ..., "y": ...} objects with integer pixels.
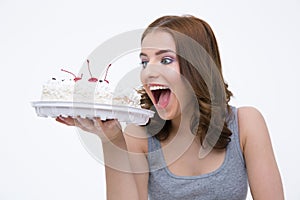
[{"x": 154, "y": 84}]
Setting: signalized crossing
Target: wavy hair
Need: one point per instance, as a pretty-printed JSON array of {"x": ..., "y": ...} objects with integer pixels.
[{"x": 196, "y": 65}]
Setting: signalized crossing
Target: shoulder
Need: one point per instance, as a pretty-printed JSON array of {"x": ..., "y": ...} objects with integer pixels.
[
  {"x": 263, "y": 173},
  {"x": 248, "y": 116},
  {"x": 252, "y": 125},
  {"x": 136, "y": 138}
]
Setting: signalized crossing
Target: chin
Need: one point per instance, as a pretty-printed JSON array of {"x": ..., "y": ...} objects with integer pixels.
[{"x": 165, "y": 114}]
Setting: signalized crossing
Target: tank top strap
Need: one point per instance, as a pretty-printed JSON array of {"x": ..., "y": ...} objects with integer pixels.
[
  {"x": 232, "y": 123},
  {"x": 155, "y": 158}
]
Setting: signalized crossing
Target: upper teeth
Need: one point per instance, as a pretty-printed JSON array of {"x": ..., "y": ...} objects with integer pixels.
[{"x": 157, "y": 87}]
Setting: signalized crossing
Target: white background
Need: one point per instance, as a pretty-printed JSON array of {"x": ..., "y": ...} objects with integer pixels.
[{"x": 41, "y": 159}]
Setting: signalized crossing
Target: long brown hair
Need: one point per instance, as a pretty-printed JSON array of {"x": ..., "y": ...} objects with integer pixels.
[{"x": 196, "y": 65}]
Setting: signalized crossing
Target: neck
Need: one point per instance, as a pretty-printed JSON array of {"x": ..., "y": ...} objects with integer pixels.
[{"x": 181, "y": 124}]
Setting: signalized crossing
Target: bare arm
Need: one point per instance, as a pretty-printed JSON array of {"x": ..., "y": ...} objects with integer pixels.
[
  {"x": 120, "y": 182},
  {"x": 264, "y": 177},
  {"x": 137, "y": 143}
]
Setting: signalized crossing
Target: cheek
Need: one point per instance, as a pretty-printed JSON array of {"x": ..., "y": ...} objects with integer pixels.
[{"x": 173, "y": 76}]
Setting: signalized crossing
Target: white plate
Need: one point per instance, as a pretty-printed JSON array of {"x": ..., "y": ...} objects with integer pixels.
[{"x": 126, "y": 114}]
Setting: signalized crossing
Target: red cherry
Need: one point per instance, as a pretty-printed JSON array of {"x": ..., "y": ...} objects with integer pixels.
[
  {"x": 92, "y": 79},
  {"x": 78, "y": 78},
  {"x": 75, "y": 78}
]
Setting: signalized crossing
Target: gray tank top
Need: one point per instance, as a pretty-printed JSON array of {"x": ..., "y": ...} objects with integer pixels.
[{"x": 229, "y": 181}]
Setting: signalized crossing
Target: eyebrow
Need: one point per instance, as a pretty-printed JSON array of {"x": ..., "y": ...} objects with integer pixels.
[{"x": 159, "y": 52}]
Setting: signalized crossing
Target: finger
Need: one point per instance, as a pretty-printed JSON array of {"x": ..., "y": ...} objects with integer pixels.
[
  {"x": 108, "y": 123},
  {"x": 110, "y": 128},
  {"x": 98, "y": 123},
  {"x": 101, "y": 123},
  {"x": 79, "y": 125},
  {"x": 65, "y": 120},
  {"x": 85, "y": 124},
  {"x": 116, "y": 123}
]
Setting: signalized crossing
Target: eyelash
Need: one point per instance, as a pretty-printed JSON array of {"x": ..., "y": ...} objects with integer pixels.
[
  {"x": 168, "y": 59},
  {"x": 144, "y": 64}
]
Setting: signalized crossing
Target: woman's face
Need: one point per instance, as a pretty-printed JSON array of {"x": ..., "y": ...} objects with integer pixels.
[{"x": 160, "y": 74}]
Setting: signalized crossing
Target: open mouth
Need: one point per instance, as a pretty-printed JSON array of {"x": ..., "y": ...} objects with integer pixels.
[{"x": 161, "y": 95}]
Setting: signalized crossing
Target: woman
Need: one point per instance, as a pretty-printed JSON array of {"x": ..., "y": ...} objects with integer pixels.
[{"x": 197, "y": 146}]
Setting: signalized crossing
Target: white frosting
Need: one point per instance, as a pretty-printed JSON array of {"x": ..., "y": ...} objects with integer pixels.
[{"x": 91, "y": 92}]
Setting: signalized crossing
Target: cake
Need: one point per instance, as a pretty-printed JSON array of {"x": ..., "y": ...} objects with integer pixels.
[{"x": 88, "y": 90}]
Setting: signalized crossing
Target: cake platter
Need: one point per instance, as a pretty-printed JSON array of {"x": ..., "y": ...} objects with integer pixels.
[{"x": 126, "y": 114}]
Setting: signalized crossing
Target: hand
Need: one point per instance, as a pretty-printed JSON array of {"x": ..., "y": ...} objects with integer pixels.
[{"x": 107, "y": 130}]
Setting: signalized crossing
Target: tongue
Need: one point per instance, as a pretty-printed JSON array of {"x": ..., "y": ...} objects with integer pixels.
[{"x": 164, "y": 98}]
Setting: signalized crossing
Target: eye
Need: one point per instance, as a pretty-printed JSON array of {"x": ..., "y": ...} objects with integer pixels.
[
  {"x": 144, "y": 63},
  {"x": 167, "y": 60}
]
